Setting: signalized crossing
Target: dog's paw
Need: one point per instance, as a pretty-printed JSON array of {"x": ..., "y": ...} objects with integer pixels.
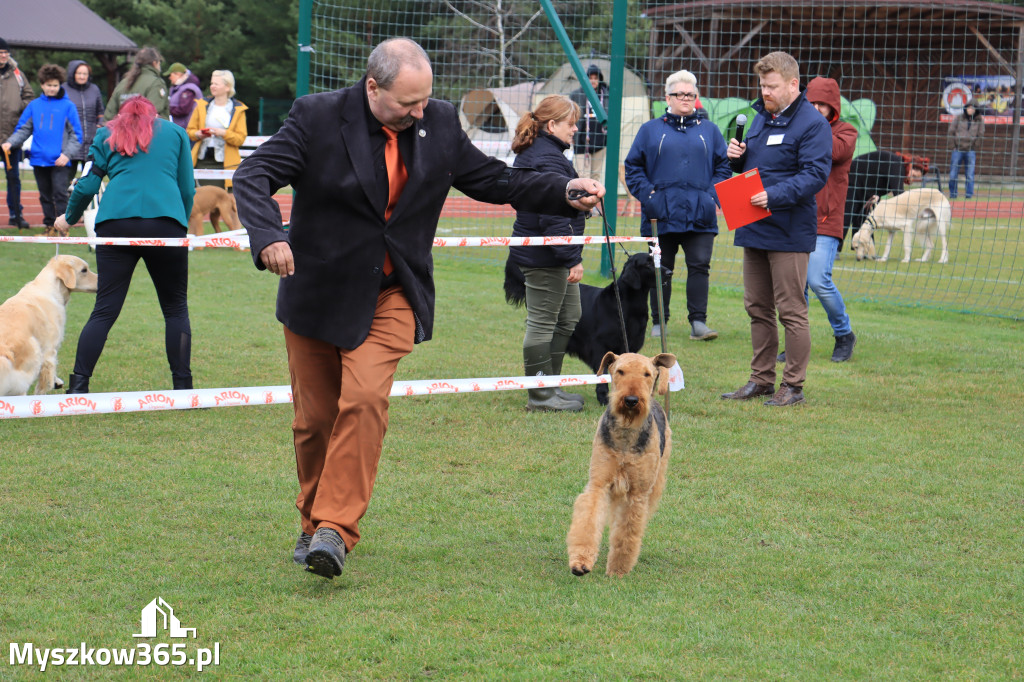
[
  {"x": 881, "y": 260},
  {"x": 58, "y": 383},
  {"x": 579, "y": 568}
]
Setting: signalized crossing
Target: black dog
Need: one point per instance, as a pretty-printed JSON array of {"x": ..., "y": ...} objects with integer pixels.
[
  {"x": 599, "y": 329},
  {"x": 876, "y": 173}
]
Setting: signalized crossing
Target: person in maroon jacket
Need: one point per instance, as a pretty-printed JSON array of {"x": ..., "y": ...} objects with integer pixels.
[{"x": 823, "y": 93}]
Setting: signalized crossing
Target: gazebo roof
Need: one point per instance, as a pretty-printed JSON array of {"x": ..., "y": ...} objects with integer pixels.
[
  {"x": 59, "y": 25},
  {"x": 851, "y": 10}
]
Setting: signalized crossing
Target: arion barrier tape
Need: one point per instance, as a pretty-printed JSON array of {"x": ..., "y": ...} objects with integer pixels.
[
  {"x": 61, "y": 405},
  {"x": 236, "y": 240}
]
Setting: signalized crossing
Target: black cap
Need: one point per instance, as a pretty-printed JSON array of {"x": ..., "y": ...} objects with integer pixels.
[
  {"x": 592, "y": 70},
  {"x": 3, "y": 45}
]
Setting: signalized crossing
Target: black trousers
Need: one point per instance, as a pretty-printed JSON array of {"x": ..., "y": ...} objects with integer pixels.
[
  {"x": 697, "y": 248},
  {"x": 13, "y": 176},
  {"x": 53, "y": 190},
  {"x": 168, "y": 267}
]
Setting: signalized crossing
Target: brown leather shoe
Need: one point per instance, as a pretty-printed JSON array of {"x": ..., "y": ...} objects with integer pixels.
[
  {"x": 751, "y": 390},
  {"x": 786, "y": 395}
]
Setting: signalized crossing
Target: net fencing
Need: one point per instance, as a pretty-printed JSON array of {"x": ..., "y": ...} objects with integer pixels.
[{"x": 905, "y": 70}]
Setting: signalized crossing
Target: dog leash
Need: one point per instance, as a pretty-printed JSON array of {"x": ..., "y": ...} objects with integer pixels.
[
  {"x": 656, "y": 255},
  {"x": 579, "y": 194},
  {"x": 611, "y": 264}
]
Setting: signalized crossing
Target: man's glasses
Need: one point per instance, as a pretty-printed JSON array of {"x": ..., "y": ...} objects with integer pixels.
[{"x": 684, "y": 96}]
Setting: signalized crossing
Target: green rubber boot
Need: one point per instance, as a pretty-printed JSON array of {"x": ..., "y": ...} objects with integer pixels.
[
  {"x": 537, "y": 362},
  {"x": 558, "y": 345}
]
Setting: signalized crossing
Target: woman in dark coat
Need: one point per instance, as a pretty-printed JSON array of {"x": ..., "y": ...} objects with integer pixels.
[
  {"x": 89, "y": 101},
  {"x": 552, "y": 273}
]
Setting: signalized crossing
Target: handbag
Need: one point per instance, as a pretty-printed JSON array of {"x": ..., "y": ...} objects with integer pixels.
[{"x": 89, "y": 214}]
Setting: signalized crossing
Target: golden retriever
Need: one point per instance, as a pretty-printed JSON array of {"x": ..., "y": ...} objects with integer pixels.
[
  {"x": 218, "y": 204},
  {"x": 32, "y": 325},
  {"x": 922, "y": 211}
]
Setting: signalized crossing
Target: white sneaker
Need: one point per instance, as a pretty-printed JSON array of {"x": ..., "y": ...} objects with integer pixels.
[{"x": 656, "y": 331}]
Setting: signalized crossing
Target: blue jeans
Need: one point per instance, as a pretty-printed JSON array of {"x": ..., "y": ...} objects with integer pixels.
[
  {"x": 819, "y": 280},
  {"x": 966, "y": 159},
  {"x": 14, "y": 185}
]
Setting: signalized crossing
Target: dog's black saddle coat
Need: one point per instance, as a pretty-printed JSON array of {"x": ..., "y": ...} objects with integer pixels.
[{"x": 657, "y": 417}]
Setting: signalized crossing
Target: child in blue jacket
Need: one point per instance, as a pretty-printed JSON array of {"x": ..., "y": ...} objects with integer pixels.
[{"x": 52, "y": 121}]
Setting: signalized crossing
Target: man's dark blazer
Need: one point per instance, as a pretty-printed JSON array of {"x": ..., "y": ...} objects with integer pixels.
[{"x": 338, "y": 235}]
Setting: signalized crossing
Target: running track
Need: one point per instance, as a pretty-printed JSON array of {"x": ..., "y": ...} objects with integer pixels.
[{"x": 463, "y": 207}]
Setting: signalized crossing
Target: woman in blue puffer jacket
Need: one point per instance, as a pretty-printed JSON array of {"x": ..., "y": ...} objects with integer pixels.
[
  {"x": 552, "y": 273},
  {"x": 671, "y": 169}
]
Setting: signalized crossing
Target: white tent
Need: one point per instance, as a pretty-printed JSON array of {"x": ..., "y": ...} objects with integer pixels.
[
  {"x": 489, "y": 116},
  {"x": 636, "y": 105}
]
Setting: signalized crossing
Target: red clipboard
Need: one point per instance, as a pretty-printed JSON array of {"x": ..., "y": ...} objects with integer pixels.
[{"x": 734, "y": 195}]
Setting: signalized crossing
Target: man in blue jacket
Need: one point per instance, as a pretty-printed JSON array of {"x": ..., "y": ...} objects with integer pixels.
[{"x": 790, "y": 144}]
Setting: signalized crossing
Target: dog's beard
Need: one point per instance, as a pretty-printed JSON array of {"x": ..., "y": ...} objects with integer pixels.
[{"x": 630, "y": 415}]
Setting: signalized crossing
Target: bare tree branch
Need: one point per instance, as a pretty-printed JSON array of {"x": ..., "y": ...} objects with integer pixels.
[
  {"x": 525, "y": 26},
  {"x": 470, "y": 19}
]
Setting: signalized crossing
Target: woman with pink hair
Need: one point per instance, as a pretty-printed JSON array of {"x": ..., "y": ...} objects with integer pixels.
[{"x": 148, "y": 166}]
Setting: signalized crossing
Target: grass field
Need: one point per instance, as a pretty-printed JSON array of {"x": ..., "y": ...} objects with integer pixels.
[{"x": 873, "y": 533}]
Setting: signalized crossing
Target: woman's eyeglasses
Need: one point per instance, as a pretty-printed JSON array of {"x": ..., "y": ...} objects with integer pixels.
[{"x": 684, "y": 96}]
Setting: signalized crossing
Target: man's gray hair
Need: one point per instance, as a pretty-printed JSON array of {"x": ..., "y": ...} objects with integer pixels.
[{"x": 388, "y": 58}]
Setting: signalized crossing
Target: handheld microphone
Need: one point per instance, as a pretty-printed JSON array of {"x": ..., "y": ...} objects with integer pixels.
[{"x": 741, "y": 123}]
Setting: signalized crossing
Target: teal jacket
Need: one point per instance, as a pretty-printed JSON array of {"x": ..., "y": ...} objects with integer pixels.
[{"x": 154, "y": 184}]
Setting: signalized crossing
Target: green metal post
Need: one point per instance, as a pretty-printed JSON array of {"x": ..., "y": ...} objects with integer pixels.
[
  {"x": 611, "y": 158},
  {"x": 574, "y": 59},
  {"x": 305, "y": 35},
  {"x": 613, "y": 117}
]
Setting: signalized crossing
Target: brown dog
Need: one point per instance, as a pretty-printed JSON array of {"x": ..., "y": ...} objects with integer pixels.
[
  {"x": 32, "y": 325},
  {"x": 218, "y": 204},
  {"x": 627, "y": 465}
]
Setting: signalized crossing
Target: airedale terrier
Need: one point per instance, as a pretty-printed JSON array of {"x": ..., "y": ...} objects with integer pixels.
[{"x": 627, "y": 467}]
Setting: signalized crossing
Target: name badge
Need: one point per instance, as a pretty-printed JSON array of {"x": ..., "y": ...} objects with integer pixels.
[{"x": 775, "y": 139}]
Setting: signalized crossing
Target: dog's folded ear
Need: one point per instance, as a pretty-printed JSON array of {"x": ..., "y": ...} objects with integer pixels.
[
  {"x": 664, "y": 360},
  {"x": 65, "y": 273},
  {"x": 661, "y": 385},
  {"x": 607, "y": 361}
]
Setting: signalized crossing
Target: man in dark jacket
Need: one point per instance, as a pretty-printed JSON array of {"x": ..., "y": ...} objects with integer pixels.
[
  {"x": 592, "y": 137},
  {"x": 371, "y": 166},
  {"x": 790, "y": 144},
  {"x": 965, "y": 131},
  {"x": 15, "y": 94}
]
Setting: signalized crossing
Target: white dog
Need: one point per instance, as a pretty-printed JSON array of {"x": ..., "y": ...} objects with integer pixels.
[
  {"x": 923, "y": 211},
  {"x": 32, "y": 325}
]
